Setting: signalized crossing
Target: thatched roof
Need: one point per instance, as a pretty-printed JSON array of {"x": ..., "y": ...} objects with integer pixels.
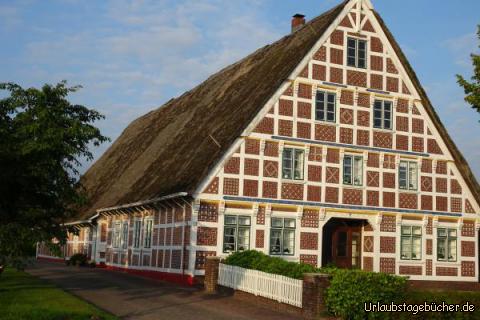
[{"x": 170, "y": 150}]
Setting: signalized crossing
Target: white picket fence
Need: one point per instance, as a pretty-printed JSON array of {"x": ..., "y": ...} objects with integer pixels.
[{"x": 271, "y": 286}]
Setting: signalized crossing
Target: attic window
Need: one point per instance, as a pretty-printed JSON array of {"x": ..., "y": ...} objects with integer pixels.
[{"x": 357, "y": 53}]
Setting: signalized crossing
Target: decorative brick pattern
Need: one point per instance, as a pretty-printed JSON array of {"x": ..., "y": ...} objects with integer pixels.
[
  {"x": 368, "y": 244},
  {"x": 346, "y": 116},
  {"x": 250, "y": 188},
  {"x": 259, "y": 239},
  {"x": 429, "y": 247},
  {"x": 402, "y": 124},
  {"x": 332, "y": 174},
  {"x": 314, "y": 193},
  {"x": 418, "y": 144},
  {"x": 292, "y": 191},
  {"x": 309, "y": 219},
  {"x": 357, "y": 78},
  {"x": 391, "y": 67},
  {"x": 310, "y": 259},
  {"x": 408, "y": 200},
  {"x": 269, "y": 189},
  {"x": 285, "y": 107},
  {"x": 468, "y": 248},
  {"x": 347, "y": 97},
  {"x": 388, "y": 224},
  {"x": 333, "y": 155},
  {"x": 468, "y": 268},
  {"x": 337, "y": 37},
  {"x": 304, "y": 110},
  {"x": 304, "y": 91},
  {"x": 373, "y": 198},
  {"x": 331, "y": 195},
  {"x": 321, "y": 54},
  {"x": 304, "y": 73},
  {"x": 304, "y": 130},
  {"x": 270, "y": 169},
  {"x": 230, "y": 186},
  {"x": 402, "y": 106},
  {"x": 387, "y": 265},
  {"x": 373, "y": 160},
  {"x": 314, "y": 173},
  {"x": 212, "y": 188},
  {"x": 201, "y": 257},
  {"x": 251, "y": 167},
  {"x": 468, "y": 229},
  {"x": 442, "y": 203},
  {"x": 206, "y": 236},
  {"x": 363, "y": 100},
  {"x": 428, "y": 267},
  {"x": 207, "y": 212},
  {"x": 426, "y": 184},
  {"x": 456, "y": 204},
  {"x": 265, "y": 126},
  {"x": 232, "y": 166},
  {"x": 382, "y": 139},
  {"x": 336, "y": 75},
  {"x": 392, "y": 84},
  {"x": 389, "y": 180},
  {"x": 363, "y": 137},
  {"x": 308, "y": 241},
  {"x": 352, "y": 196},
  {"x": 429, "y": 228},
  {"x": 271, "y": 149},
  {"x": 261, "y": 216},
  {"x": 315, "y": 154},
  {"x": 402, "y": 142},
  {"x": 441, "y": 167},
  {"x": 252, "y": 146},
  {"x": 363, "y": 118},
  {"x": 336, "y": 56},
  {"x": 376, "y": 44},
  {"x": 387, "y": 244},
  {"x": 455, "y": 187},
  {"x": 368, "y": 264},
  {"x": 433, "y": 147},
  {"x": 285, "y": 128},
  {"x": 447, "y": 272},
  {"x": 468, "y": 207},
  {"x": 376, "y": 63},
  {"x": 411, "y": 270},
  {"x": 325, "y": 132},
  {"x": 418, "y": 126},
  {"x": 373, "y": 179},
  {"x": 426, "y": 165},
  {"x": 319, "y": 72},
  {"x": 389, "y": 161},
  {"x": 376, "y": 81}
]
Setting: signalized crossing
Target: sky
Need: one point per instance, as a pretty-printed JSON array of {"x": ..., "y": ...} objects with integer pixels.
[{"x": 133, "y": 56}]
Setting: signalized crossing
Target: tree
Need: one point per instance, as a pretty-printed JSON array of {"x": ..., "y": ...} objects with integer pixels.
[
  {"x": 472, "y": 89},
  {"x": 43, "y": 138}
]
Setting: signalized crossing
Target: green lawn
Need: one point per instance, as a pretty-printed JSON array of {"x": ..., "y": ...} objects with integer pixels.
[{"x": 23, "y": 296}]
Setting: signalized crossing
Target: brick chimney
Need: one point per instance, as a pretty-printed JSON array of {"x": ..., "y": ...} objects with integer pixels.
[{"x": 298, "y": 21}]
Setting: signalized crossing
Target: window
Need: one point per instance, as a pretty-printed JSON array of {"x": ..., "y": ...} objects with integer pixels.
[
  {"x": 148, "y": 234},
  {"x": 282, "y": 237},
  {"x": 325, "y": 106},
  {"x": 353, "y": 170},
  {"x": 236, "y": 233},
  {"x": 446, "y": 244},
  {"x": 125, "y": 235},
  {"x": 116, "y": 235},
  {"x": 408, "y": 175},
  {"x": 136, "y": 233},
  {"x": 292, "y": 164},
  {"x": 356, "y": 53},
  {"x": 411, "y": 243},
  {"x": 382, "y": 114}
]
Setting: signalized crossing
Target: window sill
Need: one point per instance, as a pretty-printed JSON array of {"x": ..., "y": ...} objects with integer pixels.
[
  {"x": 404, "y": 262},
  {"x": 384, "y": 130},
  {"x": 349, "y": 186},
  {"x": 409, "y": 191},
  {"x": 293, "y": 181},
  {"x": 447, "y": 264},
  {"x": 328, "y": 123}
]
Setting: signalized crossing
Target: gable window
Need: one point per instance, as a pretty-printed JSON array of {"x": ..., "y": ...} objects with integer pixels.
[
  {"x": 353, "y": 170},
  {"x": 136, "y": 233},
  {"x": 382, "y": 114},
  {"x": 117, "y": 235},
  {"x": 282, "y": 237},
  {"x": 446, "y": 244},
  {"x": 411, "y": 243},
  {"x": 408, "y": 175},
  {"x": 236, "y": 233},
  {"x": 325, "y": 106},
  {"x": 292, "y": 163},
  {"x": 125, "y": 235},
  {"x": 356, "y": 53},
  {"x": 148, "y": 234}
]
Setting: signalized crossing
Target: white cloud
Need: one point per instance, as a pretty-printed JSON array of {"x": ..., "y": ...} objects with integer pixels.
[{"x": 461, "y": 47}]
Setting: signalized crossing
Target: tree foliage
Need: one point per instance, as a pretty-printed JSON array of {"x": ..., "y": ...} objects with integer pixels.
[
  {"x": 472, "y": 89},
  {"x": 43, "y": 138}
]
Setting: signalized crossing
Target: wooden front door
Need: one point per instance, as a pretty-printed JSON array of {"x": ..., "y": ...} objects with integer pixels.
[{"x": 346, "y": 247}]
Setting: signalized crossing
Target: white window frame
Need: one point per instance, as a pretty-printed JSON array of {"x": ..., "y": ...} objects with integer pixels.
[
  {"x": 125, "y": 235},
  {"x": 283, "y": 229},
  {"x": 117, "y": 234},
  {"x": 293, "y": 170},
  {"x": 446, "y": 239},
  {"x": 383, "y": 118},
  {"x": 148, "y": 234},
  {"x": 322, "y": 105},
  {"x": 409, "y": 166},
  {"x": 356, "y": 56},
  {"x": 137, "y": 231},
  {"x": 354, "y": 179},
  {"x": 411, "y": 236},
  {"x": 236, "y": 226}
]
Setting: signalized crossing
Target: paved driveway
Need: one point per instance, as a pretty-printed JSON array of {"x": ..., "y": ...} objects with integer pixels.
[{"x": 132, "y": 297}]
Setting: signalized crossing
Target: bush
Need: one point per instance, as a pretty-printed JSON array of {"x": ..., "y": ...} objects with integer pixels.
[
  {"x": 350, "y": 289},
  {"x": 252, "y": 259},
  {"x": 78, "y": 259}
]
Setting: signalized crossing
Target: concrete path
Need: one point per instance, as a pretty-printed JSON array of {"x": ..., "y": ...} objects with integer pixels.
[{"x": 132, "y": 297}]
